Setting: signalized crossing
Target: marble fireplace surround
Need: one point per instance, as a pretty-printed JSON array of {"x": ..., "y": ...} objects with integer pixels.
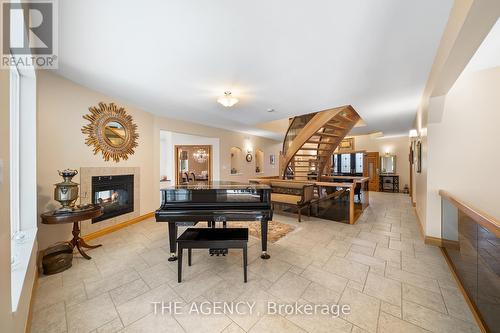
[{"x": 86, "y": 174}]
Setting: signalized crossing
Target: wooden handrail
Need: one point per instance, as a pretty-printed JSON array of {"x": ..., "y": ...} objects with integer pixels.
[
  {"x": 481, "y": 218},
  {"x": 313, "y": 128},
  {"x": 286, "y": 134}
]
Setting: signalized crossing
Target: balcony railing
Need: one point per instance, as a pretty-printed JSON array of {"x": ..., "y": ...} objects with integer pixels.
[{"x": 472, "y": 246}]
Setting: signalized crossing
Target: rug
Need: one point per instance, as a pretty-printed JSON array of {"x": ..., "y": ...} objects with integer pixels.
[{"x": 275, "y": 230}]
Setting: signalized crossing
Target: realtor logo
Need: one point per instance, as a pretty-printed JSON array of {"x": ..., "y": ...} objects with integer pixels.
[{"x": 29, "y": 34}]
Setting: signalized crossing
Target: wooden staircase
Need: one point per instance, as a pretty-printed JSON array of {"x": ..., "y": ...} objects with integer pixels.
[{"x": 311, "y": 140}]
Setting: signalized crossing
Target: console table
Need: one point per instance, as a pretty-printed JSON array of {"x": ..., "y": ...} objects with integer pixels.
[
  {"x": 388, "y": 183},
  {"x": 75, "y": 217}
]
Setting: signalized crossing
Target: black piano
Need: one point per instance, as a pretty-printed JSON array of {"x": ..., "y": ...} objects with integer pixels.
[{"x": 188, "y": 204}]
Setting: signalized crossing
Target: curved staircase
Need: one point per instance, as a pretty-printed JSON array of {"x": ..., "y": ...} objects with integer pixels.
[{"x": 311, "y": 140}]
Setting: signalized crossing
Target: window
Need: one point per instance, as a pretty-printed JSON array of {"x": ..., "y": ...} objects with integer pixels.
[
  {"x": 359, "y": 162},
  {"x": 15, "y": 223},
  {"x": 345, "y": 165},
  {"x": 335, "y": 164},
  {"x": 22, "y": 174}
]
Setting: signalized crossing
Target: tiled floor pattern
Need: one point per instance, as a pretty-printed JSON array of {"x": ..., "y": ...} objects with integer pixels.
[{"x": 380, "y": 267}]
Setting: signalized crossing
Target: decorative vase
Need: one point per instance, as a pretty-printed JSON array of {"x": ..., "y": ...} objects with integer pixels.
[{"x": 66, "y": 192}]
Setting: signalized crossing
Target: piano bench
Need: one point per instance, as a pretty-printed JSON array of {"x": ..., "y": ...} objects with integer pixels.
[{"x": 215, "y": 238}]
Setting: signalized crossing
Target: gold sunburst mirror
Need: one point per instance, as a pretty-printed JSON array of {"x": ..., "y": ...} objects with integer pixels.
[{"x": 111, "y": 131}]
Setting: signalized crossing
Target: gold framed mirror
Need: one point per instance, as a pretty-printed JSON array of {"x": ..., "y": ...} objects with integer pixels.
[{"x": 111, "y": 131}]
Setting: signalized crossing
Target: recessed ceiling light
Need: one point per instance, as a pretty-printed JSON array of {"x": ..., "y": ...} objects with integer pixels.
[{"x": 271, "y": 110}]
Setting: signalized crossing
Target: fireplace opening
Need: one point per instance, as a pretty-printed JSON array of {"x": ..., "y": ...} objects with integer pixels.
[{"x": 114, "y": 193}]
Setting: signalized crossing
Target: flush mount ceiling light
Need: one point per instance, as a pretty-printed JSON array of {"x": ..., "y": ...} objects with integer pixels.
[{"x": 227, "y": 100}]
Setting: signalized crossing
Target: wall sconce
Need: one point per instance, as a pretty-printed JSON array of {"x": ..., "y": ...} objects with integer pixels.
[
  {"x": 413, "y": 133},
  {"x": 248, "y": 146}
]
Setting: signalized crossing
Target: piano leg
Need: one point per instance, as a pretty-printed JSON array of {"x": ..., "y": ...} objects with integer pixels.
[
  {"x": 263, "y": 232},
  {"x": 172, "y": 239}
]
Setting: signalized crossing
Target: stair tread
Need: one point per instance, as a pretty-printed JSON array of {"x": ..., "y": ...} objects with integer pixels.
[
  {"x": 345, "y": 118},
  {"x": 335, "y": 126},
  {"x": 328, "y": 134},
  {"x": 305, "y": 155},
  {"x": 321, "y": 142}
]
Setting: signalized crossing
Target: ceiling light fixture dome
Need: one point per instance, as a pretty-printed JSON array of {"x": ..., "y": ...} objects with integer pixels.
[{"x": 227, "y": 100}]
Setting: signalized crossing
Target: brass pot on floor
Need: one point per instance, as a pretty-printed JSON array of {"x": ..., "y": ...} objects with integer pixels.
[{"x": 57, "y": 258}]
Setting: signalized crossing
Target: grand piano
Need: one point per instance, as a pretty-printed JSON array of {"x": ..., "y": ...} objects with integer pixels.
[{"x": 188, "y": 204}]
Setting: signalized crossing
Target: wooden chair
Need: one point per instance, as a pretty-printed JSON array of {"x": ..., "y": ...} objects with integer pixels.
[{"x": 292, "y": 193}]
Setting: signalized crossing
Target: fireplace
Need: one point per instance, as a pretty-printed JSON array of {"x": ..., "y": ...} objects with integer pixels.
[{"x": 114, "y": 193}]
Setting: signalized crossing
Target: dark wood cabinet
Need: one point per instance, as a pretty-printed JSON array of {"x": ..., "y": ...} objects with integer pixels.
[{"x": 389, "y": 183}]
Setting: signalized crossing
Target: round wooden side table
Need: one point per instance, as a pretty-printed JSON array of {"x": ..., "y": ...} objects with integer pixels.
[{"x": 75, "y": 217}]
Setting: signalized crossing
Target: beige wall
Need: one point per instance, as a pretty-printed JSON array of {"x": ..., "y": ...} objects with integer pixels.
[
  {"x": 61, "y": 145},
  {"x": 463, "y": 146},
  {"x": 468, "y": 24},
  {"x": 61, "y": 105},
  {"x": 399, "y": 146}
]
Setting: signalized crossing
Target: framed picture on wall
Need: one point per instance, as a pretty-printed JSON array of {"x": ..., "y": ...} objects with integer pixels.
[
  {"x": 419, "y": 157},
  {"x": 272, "y": 159},
  {"x": 414, "y": 149},
  {"x": 346, "y": 144}
]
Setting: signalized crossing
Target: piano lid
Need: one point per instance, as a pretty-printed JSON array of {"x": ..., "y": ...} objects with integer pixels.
[{"x": 216, "y": 185}]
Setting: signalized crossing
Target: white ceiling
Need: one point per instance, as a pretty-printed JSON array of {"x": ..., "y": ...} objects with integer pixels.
[{"x": 175, "y": 57}]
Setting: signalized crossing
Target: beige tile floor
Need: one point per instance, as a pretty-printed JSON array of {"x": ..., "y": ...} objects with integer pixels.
[{"x": 380, "y": 267}]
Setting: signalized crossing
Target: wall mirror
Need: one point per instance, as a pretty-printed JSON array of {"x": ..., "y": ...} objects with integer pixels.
[
  {"x": 388, "y": 164},
  {"x": 114, "y": 133},
  {"x": 111, "y": 131}
]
